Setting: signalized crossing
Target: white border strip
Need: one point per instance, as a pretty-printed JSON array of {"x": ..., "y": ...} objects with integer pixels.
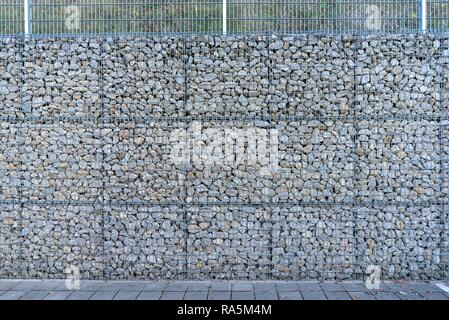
[
  {"x": 442, "y": 287},
  {"x": 225, "y": 27},
  {"x": 26, "y": 16},
  {"x": 424, "y": 15}
]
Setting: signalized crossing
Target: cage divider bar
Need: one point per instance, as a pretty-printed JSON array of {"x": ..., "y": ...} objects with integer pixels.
[
  {"x": 155, "y": 119},
  {"x": 358, "y": 257},
  {"x": 444, "y": 105},
  {"x": 183, "y": 189},
  {"x": 224, "y": 9},
  {"x": 270, "y": 60},
  {"x": 423, "y": 12},
  {"x": 440, "y": 62},
  {"x": 376, "y": 203},
  {"x": 27, "y": 15},
  {"x": 22, "y": 141},
  {"x": 102, "y": 125}
]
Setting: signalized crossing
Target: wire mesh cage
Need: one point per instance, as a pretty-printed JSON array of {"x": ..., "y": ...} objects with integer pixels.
[{"x": 349, "y": 134}]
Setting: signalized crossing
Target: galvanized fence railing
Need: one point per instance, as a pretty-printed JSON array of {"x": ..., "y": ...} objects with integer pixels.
[{"x": 55, "y": 17}]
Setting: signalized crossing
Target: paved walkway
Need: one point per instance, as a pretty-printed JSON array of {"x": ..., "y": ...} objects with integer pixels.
[{"x": 218, "y": 290}]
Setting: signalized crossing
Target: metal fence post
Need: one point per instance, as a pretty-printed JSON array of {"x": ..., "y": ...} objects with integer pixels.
[
  {"x": 423, "y": 16},
  {"x": 27, "y": 16},
  {"x": 225, "y": 27}
]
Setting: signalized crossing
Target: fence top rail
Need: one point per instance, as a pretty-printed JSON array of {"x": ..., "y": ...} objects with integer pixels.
[{"x": 428, "y": 34}]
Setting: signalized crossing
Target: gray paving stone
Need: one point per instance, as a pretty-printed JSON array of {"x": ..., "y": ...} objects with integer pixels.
[
  {"x": 198, "y": 286},
  {"x": 198, "y": 290},
  {"x": 266, "y": 295},
  {"x": 122, "y": 286},
  {"x": 362, "y": 295},
  {"x": 155, "y": 286},
  {"x": 110, "y": 286},
  {"x": 289, "y": 295},
  {"x": 92, "y": 284},
  {"x": 422, "y": 287},
  {"x": 58, "y": 295},
  {"x": 149, "y": 295},
  {"x": 409, "y": 296},
  {"x": 385, "y": 296},
  {"x": 172, "y": 295},
  {"x": 219, "y": 295},
  {"x": 309, "y": 286},
  {"x": 242, "y": 295},
  {"x": 126, "y": 295},
  {"x": 399, "y": 287},
  {"x": 80, "y": 295},
  {"x": 132, "y": 286},
  {"x": 287, "y": 286},
  {"x": 25, "y": 285},
  {"x": 427, "y": 288},
  {"x": 85, "y": 285},
  {"x": 331, "y": 287},
  {"x": 355, "y": 286},
  {"x": 445, "y": 294},
  {"x": 434, "y": 296},
  {"x": 12, "y": 295},
  {"x": 221, "y": 286},
  {"x": 439, "y": 290},
  {"x": 242, "y": 286},
  {"x": 103, "y": 295},
  {"x": 264, "y": 286},
  {"x": 7, "y": 284},
  {"x": 179, "y": 286},
  {"x": 337, "y": 295},
  {"x": 48, "y": 285},
  {"x": 34, "y": 295},
  {"x": 383, "y": 287},
  {"x": 313, "y": 295},
  {"x": 195, "y": 295}
]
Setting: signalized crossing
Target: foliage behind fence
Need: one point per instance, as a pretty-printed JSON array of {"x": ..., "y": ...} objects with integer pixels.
[{"x": 55, "y": 17}]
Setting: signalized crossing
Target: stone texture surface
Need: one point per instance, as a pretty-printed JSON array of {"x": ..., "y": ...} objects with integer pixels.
[
  {"x": 406, "y": 241},
  {"x": 61, "y": 161},
  {"x": 10, "y": 161},
  {"x": 312, "y": 76},
  {"x": 10, "y": 240},
  {"x": 145, "y": 77},
  {"x": 313, "y": 242},
  {"x": 62, "y": 77},
  {"x": 11, "y": 57},
  {"x": 229, "y": 242},
  {"x": 145, "y": 242},
  {"x": 399, "y": 160},
  {"x": 316, "y": 161},
  {"x": 399, "y": 75},
  {"x": 87, "y": 178},
  {"x": 228, "y": 76},
  {"x": 56, "y": 237},
  {"x": 137, "y": 164}
]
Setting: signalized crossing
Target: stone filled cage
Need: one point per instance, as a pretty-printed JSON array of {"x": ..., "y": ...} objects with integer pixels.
[{"x": 86, "y": 178}]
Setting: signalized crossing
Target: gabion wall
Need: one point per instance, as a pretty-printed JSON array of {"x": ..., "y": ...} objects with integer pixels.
[{"x": 86, "y": 178}]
